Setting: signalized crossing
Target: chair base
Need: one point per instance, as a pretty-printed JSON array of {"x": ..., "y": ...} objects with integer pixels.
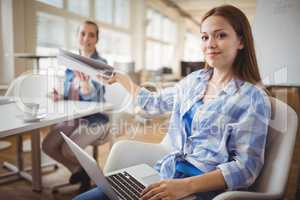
[{"x": 15, "y": 174}]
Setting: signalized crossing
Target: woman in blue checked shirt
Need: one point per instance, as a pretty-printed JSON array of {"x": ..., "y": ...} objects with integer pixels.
[{"x": 220, "y": 115}]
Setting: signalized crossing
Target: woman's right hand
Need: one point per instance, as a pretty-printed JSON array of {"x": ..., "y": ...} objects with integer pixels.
[
  {"x": 122, "y": 79},
  {"x": 110, "y": 80}
]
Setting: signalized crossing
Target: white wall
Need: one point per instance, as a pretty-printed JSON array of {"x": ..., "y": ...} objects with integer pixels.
[{"x": 277, "y": 40}]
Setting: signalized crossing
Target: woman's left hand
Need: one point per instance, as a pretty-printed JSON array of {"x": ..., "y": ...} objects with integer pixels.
[
  {"x": 81, "y": 76},
  {"x": 166, "y": 189}
]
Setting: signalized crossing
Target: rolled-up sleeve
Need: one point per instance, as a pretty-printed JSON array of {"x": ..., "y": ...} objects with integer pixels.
[
  {"x": 156, "y": 102},
  {"x": 247, "y": 143}
]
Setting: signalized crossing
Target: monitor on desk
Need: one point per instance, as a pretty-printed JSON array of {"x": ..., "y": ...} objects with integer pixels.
[{"x": 189, "y": 67}]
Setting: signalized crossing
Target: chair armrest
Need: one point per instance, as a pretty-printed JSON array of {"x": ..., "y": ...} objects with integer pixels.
[
  {"x": 127, "y": 153},
  {"x": 243, "y": 195}
]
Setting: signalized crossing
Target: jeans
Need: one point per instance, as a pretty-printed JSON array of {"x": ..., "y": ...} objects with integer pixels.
[
  {"x": 93, "y": 194},
  {"x": 97, "y": 194}
]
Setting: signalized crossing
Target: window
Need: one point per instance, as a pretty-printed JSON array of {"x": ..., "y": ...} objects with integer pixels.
[
  {"x": 161, "y": 34},
  {"x": 167, "y": 55},
  {"x": 122, "y": 10},
  {"x": 116, "y": 12},
  {"x": 109, "y": 40},
  {"x": 50, "y": 30},
  {"x": 72, "y": 27},
  {"x": 150, "y": 24},
  {"x": 79, "y": 7},
  {"x": 59, "y": 29},
  {"x": 104, "y": 10},
  {"x": 56, "y": 3},
  {"x": 192, "y": 48},
  {"x": 50, "y": 37}
]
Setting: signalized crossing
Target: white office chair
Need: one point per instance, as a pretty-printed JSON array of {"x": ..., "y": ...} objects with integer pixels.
[{"x": 271, "y": 182}]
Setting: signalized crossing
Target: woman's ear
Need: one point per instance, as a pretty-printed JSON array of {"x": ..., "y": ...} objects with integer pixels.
[{"x": 241, "y": 45}]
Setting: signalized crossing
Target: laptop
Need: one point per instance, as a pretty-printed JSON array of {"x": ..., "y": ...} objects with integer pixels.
[{"x": 125, "y": 184}]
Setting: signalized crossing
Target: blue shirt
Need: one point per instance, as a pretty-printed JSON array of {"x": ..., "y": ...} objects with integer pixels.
[
  {"x": 182, "y": 166},
  {"x": 97, "y": 94},
  {"x": 97, "y": 88},
  {"x": 229, "y": 134}
]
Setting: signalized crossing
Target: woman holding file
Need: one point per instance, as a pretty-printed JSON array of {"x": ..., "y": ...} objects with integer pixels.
[
  {"x": 78, "y": 86},
  {"x": 220, "y": 116}
]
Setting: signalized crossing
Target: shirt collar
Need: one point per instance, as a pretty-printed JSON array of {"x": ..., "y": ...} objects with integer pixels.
[
  {"x": 233, "y": 86},
  {"x": 230, "y": 88},
  {"x": 205, "y": 74},
  {"x": 94, "y": 55}
]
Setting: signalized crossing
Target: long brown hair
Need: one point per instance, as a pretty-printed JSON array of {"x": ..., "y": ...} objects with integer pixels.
[{"x": 245, "y": 64}]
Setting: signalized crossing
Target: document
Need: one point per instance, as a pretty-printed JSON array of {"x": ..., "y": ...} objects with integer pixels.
[{"x": 88, "y": 66}]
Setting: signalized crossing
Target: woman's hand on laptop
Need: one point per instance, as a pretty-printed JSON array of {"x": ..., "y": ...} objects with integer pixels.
[{"x": 170, "y": 189}]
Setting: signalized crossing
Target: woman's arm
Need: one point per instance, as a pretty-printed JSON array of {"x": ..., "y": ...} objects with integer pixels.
[
  {"x": 179, "y": 188},
  {"x": 124, "y": 80},
  {"x": 151, "y": 102},
  {"x": 247, "y": 141}
]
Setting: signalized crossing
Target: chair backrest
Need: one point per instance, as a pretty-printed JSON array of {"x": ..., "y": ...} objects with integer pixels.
[
  {"x": 33, "y": 87},
  {"x": 279, "y": 150},
  {"x": 121, "y": 100}
]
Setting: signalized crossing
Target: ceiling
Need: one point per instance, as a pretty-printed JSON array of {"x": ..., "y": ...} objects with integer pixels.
[{"x": 197, "y": 8}]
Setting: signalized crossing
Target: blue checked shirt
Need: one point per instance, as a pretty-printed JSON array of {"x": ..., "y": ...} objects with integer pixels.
[{"x": 229, "y": 133}]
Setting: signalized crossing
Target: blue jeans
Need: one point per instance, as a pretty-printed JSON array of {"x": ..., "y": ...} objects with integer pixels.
[
  {"x": 97, "y": 194},
  {"x": 93, "y": 194}
]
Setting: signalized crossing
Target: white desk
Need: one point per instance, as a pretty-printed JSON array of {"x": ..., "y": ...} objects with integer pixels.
[{"x": 11, "y": 123}]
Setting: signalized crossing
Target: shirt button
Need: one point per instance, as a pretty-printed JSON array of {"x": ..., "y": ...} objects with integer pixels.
[{"x": 214, "y": 129}]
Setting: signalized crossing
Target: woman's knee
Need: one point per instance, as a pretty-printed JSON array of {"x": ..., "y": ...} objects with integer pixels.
[
  {"x": 49, "y": 145},
  {"x": 66, "y": 151}
]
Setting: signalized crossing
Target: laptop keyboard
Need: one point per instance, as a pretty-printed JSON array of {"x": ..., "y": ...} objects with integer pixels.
[{"x": 126, "y": 186}]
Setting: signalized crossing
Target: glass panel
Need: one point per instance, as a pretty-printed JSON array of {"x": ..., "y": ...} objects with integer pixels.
[
  {"x": 150, "y": 23},
  {"x": 149, "y": 55},
  {"x": 167, "y": 55},
  {"x": 49, "y": 66},
  {"x": 166, "y": 34},
  {"x": 153, "y": 55},
  {"x": 50, "y": 30},
  {"x": 56, "y": 3},
  {"x": 123, "y": 52},
  {"x": 157, "y": 56},
  {"x": 173, "y": 32},
  {"x": 79, "y": 6},
  {"x": 72, "y": 32},
  {"x": 192, "y": 48},
  {"x": 109, "y": 40},
  {"x": 122, "y": 10},
  {"x": 157, "y": 20},
  {"x": 104, "y": 10}
]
